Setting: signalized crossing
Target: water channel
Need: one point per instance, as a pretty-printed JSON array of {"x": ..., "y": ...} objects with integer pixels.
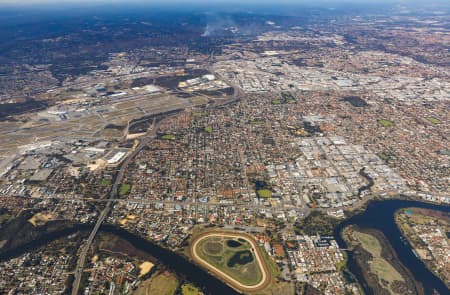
[{"x": 380, "y": 216}]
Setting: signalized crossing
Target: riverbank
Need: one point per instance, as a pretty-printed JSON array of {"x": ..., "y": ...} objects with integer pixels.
[
  {"x": 379, "y": 215},
  {"x": 172, "y": 261},
  {"x": 426, "y": 231},
  {"x": 380, "y": 266},
  {"x": 19, "y": 235}
]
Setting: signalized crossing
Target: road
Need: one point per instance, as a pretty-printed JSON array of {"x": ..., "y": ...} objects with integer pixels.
[
  {"x": 113, "y": 195},
  {"x": 85, "y": 249},
  {"x": 109, "y": 202},
  {"x": 181, "y": 203}
]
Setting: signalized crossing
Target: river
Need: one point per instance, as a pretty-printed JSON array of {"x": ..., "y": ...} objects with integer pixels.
[
  {"x": 173, "y": 261},
  {"x": 380, "y": 216}
]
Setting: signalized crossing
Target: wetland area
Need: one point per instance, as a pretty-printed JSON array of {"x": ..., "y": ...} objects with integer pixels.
[
  {"x": 379, "y": 239},
  {"x": 376, "y": 227}
]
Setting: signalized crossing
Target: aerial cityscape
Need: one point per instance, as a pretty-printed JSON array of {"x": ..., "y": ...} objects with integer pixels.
[{"x": 205, "y": 147}]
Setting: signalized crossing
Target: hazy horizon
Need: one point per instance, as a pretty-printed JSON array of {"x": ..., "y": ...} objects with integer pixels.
[{"x": 209, "y": 2}]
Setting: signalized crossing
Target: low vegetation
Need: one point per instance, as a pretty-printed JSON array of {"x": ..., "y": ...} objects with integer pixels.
[
  {"x": 385, "y": 123},
  {"x": 231, "y": 256},
  {"x": 276, "y": 102},
  {"x": 124, "y": 189},
  {"x": 316, "y": 223},
  {"x": 199, "y": 114},
  {"x": 264, "y": 193},
  {"x": 168, "y": 137},
  {"x": 161, "y": 284},
  {"x": 379, "y": 266},
  {"x": 4, "y": 218},
  {"x": 256, "y": 122},
  {"x": 285, "y": 98},
  {"x": 433, "y": 120},
  {"x": 105, "y": 182},
  {"x": 189, "y": 289},
  {"x": 383, "y": 156},
  {"x": 208, "y": 129}
]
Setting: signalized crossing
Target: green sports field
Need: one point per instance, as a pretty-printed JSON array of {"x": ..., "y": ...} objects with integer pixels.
[{"x": 231, "y": 255}]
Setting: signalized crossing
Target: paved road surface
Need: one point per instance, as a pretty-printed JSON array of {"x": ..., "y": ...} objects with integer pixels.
[
  {"x": 113, "y": 197},
  {"x": 114, "y": 194}
]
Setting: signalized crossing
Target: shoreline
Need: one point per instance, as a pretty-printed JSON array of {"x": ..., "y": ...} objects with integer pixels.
[
  {"x": 379, "y": 215},
  {"x": 388, "y": 255},
  {"x": 428, "y": 263},
  {"x": 43, "y": 239}
]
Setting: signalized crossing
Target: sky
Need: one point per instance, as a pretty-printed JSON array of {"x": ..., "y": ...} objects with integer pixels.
[
  {"x": 60, "y": 2},
  {"x": 63, "y": 4}
]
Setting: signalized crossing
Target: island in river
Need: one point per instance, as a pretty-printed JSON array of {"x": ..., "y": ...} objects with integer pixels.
[
  {"x": 380, "y": 267},
  {"x": 379, "y": 217},
  {"x": 427, "y": 231}
]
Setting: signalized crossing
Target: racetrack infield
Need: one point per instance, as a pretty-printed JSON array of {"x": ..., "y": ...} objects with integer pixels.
[{"x": 240, "y": 286}]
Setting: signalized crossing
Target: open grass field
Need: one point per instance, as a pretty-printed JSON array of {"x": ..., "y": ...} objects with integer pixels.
[
  {"x": 271, "y": 265},
  {"x": 433, "y": 120},
  {"x": 264, "y": 193},
  {"x": 276, "y": 102},
  {"x": 234, "y": 257},
  {"x": 385, "y": 123},
  {"x": 161, "y": 284},
  {"x": 369, "y": 243},
  {"x": 284, "y": 288},
  {"x": 379, "y": 266},
  {"x": 168, "y": 137},
  {"x": 199, "y": 114},
  {"x": 124, "y": 189},
  {"x": 105, "y": 182}
]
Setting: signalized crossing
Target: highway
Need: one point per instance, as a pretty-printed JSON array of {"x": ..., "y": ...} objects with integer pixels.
[
  {"x": 85, "y": 249},
  {"x": 109, "y": 202},
  {"x": 113, "y": 194}
]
